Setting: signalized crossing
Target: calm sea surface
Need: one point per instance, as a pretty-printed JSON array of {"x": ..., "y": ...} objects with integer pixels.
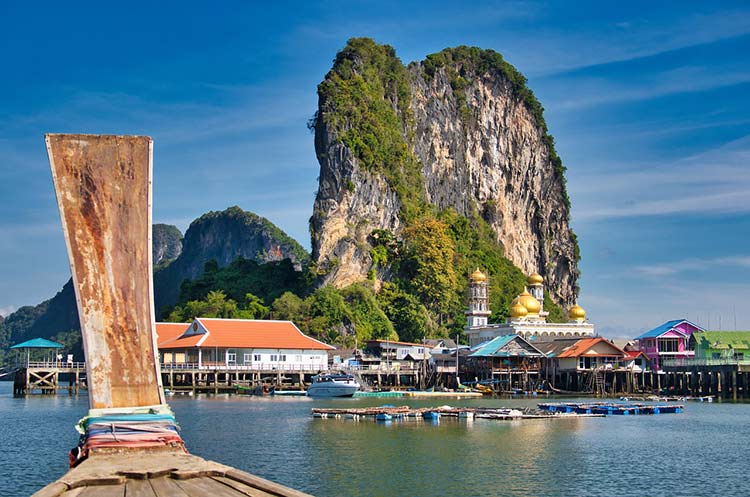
[{"x": 705, "y": 451}]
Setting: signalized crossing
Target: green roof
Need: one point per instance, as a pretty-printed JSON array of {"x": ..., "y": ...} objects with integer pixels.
[
  {"x": 723, "y": 339},
  {"x": 38, "y": 343}
]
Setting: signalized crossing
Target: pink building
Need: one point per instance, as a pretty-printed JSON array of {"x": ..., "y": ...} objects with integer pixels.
[{"x": 668, "y": 341}]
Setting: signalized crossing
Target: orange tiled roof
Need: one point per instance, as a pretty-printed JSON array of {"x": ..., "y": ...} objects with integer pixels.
[
  {"x": 633, "y": 354},
  {"x": 246, "y": 334},
  {"x": 582, "y": 346},
  {"x": 170, "y": 331}
]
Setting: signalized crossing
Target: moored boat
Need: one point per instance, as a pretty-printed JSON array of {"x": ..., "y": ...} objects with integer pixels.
[{"x": 333, "y": 385}]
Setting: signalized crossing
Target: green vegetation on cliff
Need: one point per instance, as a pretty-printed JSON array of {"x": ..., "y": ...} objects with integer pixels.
[{"x": 364, "y": 100}]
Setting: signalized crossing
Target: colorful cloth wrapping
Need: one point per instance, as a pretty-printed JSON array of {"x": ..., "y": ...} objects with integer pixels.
[{"x": 151, "y": 426}]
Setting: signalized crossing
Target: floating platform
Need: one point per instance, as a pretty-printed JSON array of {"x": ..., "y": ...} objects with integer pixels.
[
  {"x": 452, "y": 395},
  {"x": 393, "y": 413},
  {"x": 391, "y": 395},
  {"x": 289, "y": 393},
  {"x": 657, "y": 398},
  {"x": 421, "y": 394},
  {"x": 610, "y": 408}
]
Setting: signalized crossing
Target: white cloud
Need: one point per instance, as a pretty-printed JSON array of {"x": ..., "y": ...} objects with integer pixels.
[
  {"x": 551, "y": 51},
  {"x": 588, "y": 92},
  {"x": 672, "y": 268},
  {"x": 7, "y": 310},
  {"x": 713, "y": 182}
]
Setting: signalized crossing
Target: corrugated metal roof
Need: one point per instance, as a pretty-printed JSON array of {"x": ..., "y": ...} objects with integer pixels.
[
  {"x": 38, "y": 343},
  {"x": 492, "y": 348},
  {"x": 664, "y": 328},
  {"x": 723, "y": 339}
]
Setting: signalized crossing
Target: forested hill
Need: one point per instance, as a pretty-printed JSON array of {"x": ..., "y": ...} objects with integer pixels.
[{"x": 224, "y": 236}]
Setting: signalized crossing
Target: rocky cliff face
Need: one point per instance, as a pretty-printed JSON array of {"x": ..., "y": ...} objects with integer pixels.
[
  {"x": 479, "y": 139},
  {"x": 166, "y": 243},
  {"x": 224, "y": 236}
]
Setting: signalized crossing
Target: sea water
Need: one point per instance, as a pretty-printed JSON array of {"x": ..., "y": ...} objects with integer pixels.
[{"x": 702, "y": 451}]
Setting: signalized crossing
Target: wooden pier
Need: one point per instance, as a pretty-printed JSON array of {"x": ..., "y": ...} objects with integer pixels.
[
  {"x": 721, "y": 380},
  {"x": 48, "y": 378}
]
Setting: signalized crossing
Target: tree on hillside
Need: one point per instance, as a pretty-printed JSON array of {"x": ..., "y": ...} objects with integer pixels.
[
  {"x": 429, "y": 265},
  {"x": 216, "y": 305}
]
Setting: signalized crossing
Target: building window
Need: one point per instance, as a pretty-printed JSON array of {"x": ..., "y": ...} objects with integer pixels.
[
  {"x": 668, "y": 344},
  {"x": 231, "y": 357},
  {"x": 246, "y": 357},
  {"x": 274, "y": 358},
  {"x": 256, "y": 357},
  {"x": 298, "y": 358},
  {"x": 282, "y": 358}
]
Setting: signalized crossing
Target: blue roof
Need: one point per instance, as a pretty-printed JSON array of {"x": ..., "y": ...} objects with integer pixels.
[
  {"x": 491, "y": 348},
  {"x": 660, "y": 330},
  {"x": 38, "y": 343}
]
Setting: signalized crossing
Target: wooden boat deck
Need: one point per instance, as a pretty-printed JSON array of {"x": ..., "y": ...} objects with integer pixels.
[{"x": 160, "y": 474}]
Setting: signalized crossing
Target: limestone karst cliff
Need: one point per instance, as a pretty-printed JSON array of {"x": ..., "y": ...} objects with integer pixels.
[
  {"x": 459, "y": 130},
  {"x": 224, "y": 236},
  {"x": 166, "y": 243}
]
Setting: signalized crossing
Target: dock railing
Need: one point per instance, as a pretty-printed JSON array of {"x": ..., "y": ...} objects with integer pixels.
[
  {"x": 398, "y": 367},
  {"x": 224, "y": 367},
  {"x": 686, "y": 362},
  {"x": 52, "y": 365}
]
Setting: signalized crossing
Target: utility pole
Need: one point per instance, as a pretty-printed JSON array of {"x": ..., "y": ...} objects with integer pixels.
[{"x": 458, "y": 381}]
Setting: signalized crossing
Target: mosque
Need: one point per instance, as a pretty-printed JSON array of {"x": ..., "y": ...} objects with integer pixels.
[{"x": 527, "y": 315}]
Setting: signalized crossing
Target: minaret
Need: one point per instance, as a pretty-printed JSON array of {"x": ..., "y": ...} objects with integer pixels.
[
  {"x": 479, "y": 300},
  {"x": 536, "y": 289}
]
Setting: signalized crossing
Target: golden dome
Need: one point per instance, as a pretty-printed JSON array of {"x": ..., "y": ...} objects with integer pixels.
[
  {"x": 535, "y": 279},
  {"x": 529, "y": 302},
  {"x": 478, "y": 276},
  {"x": 518, "y": 311},
  {"x": 576, "y": 312}
]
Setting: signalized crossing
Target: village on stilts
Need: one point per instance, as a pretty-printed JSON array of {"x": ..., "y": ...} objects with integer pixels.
[{"x": 526, "y": 355}]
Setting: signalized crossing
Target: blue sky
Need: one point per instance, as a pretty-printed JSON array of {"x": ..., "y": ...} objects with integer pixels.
[{"x": 648, "y": 104}]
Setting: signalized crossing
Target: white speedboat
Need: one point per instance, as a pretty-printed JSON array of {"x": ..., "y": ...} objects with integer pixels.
[{"x": 333, "y": 385}]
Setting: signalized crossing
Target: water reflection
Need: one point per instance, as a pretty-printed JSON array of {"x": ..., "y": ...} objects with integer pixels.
[{"x": 699, "y": 452}]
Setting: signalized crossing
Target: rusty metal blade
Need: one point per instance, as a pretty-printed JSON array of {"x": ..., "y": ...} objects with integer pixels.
[{"x": 103, "y": 187}]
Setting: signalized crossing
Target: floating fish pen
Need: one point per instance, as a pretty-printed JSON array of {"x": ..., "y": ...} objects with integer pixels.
[
  {"x": 609, "y": 408},
  {"x": 656, "y": 398},
  {"x": 393, "y": 413}
]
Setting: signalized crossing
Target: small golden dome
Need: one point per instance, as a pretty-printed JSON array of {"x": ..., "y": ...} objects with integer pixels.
[
  {"x": 529, "y": 302},
  {"x": 518, "y": 311},
  {"x": 478, "y": 276},
  {"x": 535, "y": 279},
  {"x": 576, "y": 312}
]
